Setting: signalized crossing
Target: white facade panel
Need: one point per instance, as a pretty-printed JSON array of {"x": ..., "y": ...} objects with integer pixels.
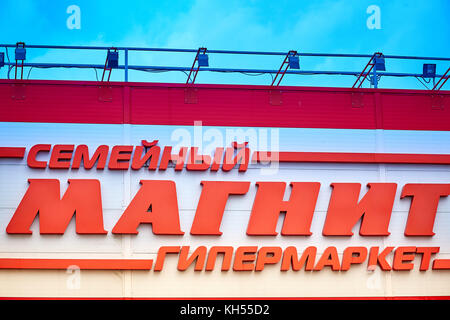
[{"x": 119, "y": 187}]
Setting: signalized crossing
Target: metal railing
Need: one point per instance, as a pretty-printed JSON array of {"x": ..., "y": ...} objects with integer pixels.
[{"x": 11, "y": 62}]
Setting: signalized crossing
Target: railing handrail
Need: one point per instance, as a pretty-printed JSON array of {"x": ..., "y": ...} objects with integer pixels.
[{"x": 126, "y": 67}]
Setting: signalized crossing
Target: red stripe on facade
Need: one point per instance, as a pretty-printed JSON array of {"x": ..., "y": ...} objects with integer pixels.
[
  {"x": 223, "y": 105},
  {"x": 12, "y": 152},
  {"x": 339, "y": 157},
  {"x": 441, "y": 264},
  {"x": 234, "y": 298},
  {"x": 88, "y": 264}
]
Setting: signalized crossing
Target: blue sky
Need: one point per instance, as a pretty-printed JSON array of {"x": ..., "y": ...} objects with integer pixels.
[{"x": 420, "y": 28}]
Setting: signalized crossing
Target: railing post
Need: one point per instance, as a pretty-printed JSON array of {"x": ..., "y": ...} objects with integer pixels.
[
  {"x": 374, "y": 77},
  {"x": 126, "y": 65}
]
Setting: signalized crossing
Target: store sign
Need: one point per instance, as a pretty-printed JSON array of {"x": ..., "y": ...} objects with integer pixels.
[{"x": 156, "y": 203}]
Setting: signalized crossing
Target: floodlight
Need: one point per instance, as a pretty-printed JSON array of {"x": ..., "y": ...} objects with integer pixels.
[
  {"x": 429, "y": 70},
  {"x": 20, "y": 53},
  {"x": 203, "y": 60},
  {"x": 113, "y": 59},
  {"x": 379, "y": 63},
  {"x": 294, "y": 62}
]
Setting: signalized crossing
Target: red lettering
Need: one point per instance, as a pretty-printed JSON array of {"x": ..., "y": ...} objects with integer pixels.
[
  {"x": 61, "y": 156},
  {"x": 401, "y": 255},
  {"x": 82, "y": 153},
  {"x": 243, "y": 256},
  {"x": 290, "y": 258},
  {"x": 82, "y": 199},
  {"x": 212, "y": 256},
  {"x": 242, "y": 157},
  {"x": 31, "y": 158},
  {"x": 167, "y": 156},
  {"x": 374, "y": 209},
  {"x": 198, "y": 256},
  {"x": 197, "y": 162},
  {"x": 155, "y": 203},
  {"x": 424, "y": 203},
  {"x": 218, "y": 155},
  {"x": 139, "y": 160},
  {"x": 379, "y": 259},
  {"x": 267, "y": 255},
  {"x": 161, "y": 256},
  {"x": 211, "y": 205},
  {"x": 426, "y": 256},
  {"x": 329, "y": 258},
  {"x": 120, "y": 157},
  {"x": 349, "y": 257},
  {"x": 268, "y": 205}
]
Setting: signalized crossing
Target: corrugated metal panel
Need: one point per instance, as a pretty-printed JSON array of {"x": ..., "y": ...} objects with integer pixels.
[
  {"x": 216, "y": 105},
  {"x": 68, "y": 103}
]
